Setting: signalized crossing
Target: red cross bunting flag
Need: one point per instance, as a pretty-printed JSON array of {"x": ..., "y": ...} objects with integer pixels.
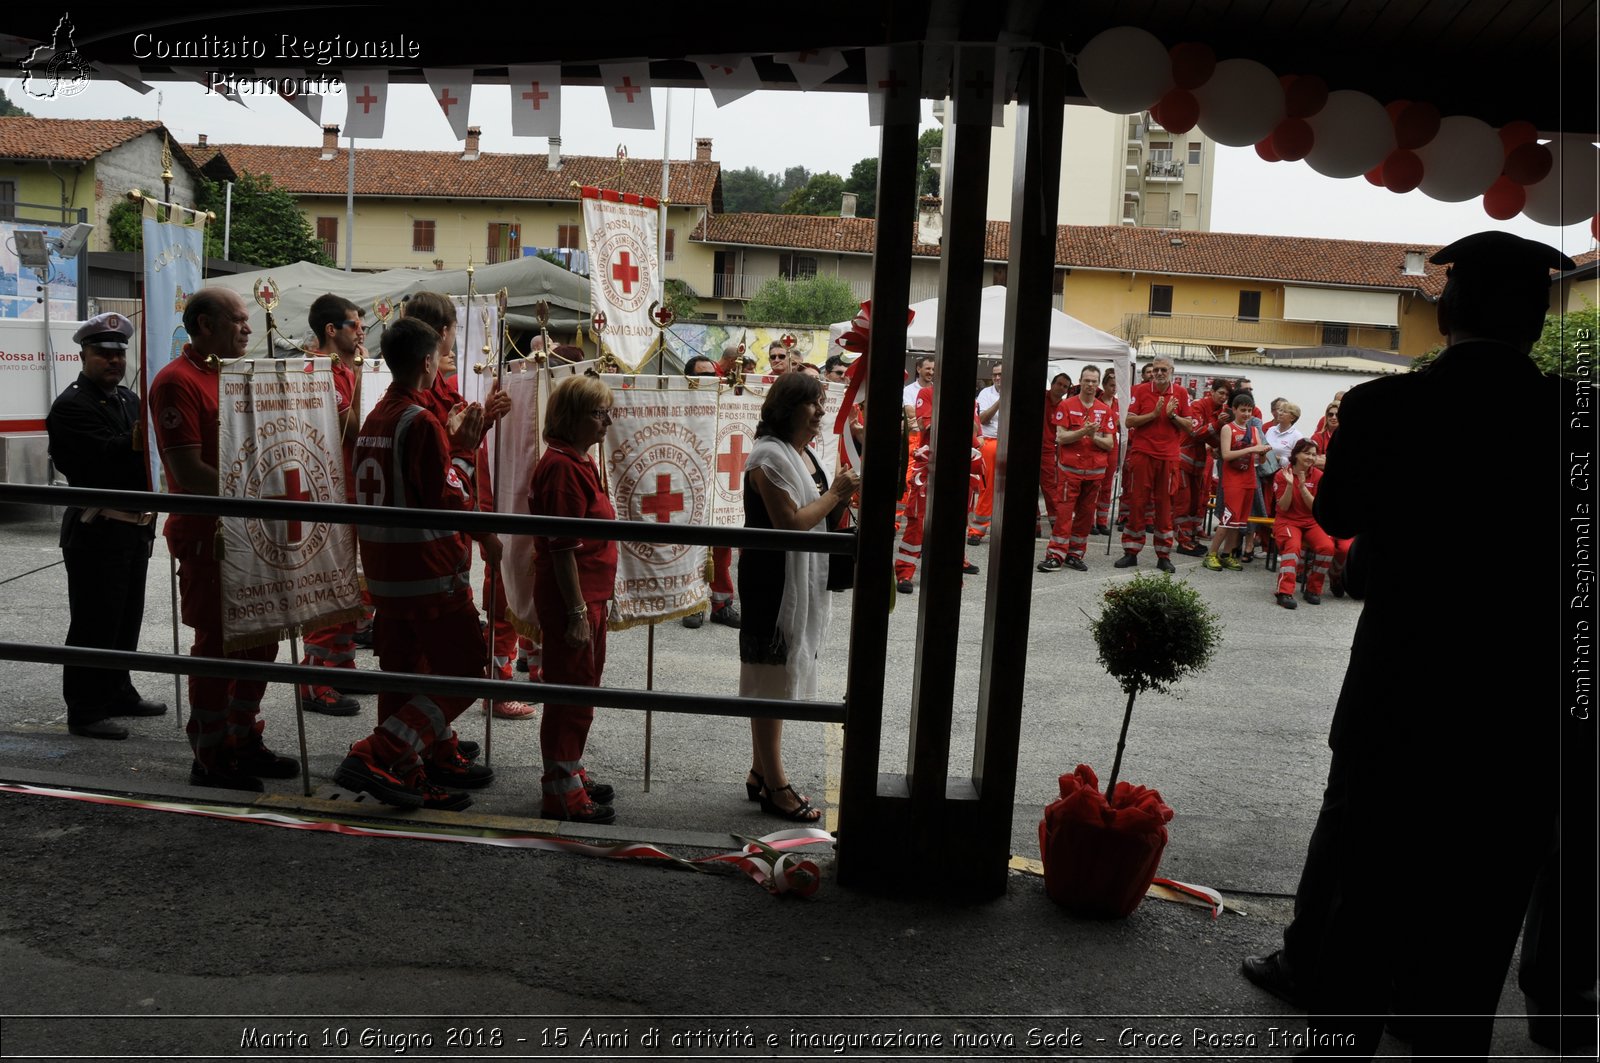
[
  {"x": 623, "y": 277},
  {"x": 729, "y": 77},
  {"x": 367, "y": 93},
  {"x": 894, "y": 79},
  {"x": 279, "y": 439},
  {"x": 307, "y": 103},
  {"x": 658, "y": 454},
  {"x": 452, "y": 91},
  {"x": 813, "y": 67},
  {"x": 535, "y": 100},
  {"x": 627, "y": 87}
]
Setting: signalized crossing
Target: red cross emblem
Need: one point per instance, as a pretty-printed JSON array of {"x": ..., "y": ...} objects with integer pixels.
[
  {"x": 731, "y": 461},
  {"x": 366, "y": 99},
  {"x": 369, "y": 483},
  {"x": 446, "y": 100},
  {"x": 629, "y": 88},
  {"x": 292, "y": 492},
  {"x": 664, "y": 502},
  {"x": 626, "y": 272},
  {"x": 534, "y": 95}
]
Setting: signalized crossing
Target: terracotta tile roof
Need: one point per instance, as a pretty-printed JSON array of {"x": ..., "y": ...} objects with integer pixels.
[
  {"x": 1288, "y": 259},
  {"x": 66, "y": 139},
  {"x": 391, "y": 172}
]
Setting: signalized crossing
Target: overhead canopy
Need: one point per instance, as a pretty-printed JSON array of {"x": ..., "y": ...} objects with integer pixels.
[
  {"x": 1069, "y": 337},
  {"x": 526, "y": 280}
]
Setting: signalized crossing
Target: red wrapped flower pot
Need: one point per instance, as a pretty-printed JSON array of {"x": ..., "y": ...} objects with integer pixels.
[{"x": 1099, "y": 857}]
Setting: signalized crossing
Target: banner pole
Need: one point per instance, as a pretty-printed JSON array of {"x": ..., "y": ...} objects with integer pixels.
[
  {"x": 465, "y": 333},
  {"x": 177, "y": 680},
  {"x": 300, "y": 717},
  {"x": 649, "y": 684}
]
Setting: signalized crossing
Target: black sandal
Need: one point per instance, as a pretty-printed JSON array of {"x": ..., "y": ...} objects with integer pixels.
[
  {"x": 802, "y": 813},
  {"x": 753, "y": 789}
]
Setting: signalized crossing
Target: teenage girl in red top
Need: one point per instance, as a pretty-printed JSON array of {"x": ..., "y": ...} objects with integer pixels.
[
  {"x": 1296, "y": 530},
  {"x": 1241, "y": 447}
]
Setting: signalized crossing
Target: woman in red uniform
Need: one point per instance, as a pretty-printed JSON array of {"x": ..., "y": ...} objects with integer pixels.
[
  {"x": 1241, "y": 448},
  {"x": 1102, "y": 504},
  {"x": 573, "y": 580},
  {"x": 1296, "y": 530}
]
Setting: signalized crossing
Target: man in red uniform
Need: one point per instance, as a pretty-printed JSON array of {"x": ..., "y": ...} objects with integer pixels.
[
  {"x": 421, "y": 580},
  {"x": 341, "y": 337},
  {"x": 1157, "y": 421},
  {"x": 1049, "y": 485},
  {"x": 225, "y": 726},
  {"x": 1083, "y": 428},
  {"x": 987, "y": 410},
  {"x": 724, "y": 610},
  {"x": 1194, "y": 466}
]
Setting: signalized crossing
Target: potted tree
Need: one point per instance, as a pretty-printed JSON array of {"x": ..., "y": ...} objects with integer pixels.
[{"x": 1101, "y": 850}]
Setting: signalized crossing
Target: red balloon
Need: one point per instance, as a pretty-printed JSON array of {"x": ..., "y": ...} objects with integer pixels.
[
  {"x": 1402, "y": 171},
  {"x": 1292, "y": 139},
  {"x": 1416, "y": 124},
  {"x": 1303, "y": 95},
  {"x": 1594, "y": 226},
  {"x": 1179, "y": 111},
  {"x": 1193, "y": 63},
  {"x": 1528, "y": 164},
  {"x": 1155, "y": 114},
  {"x": 1267, "y": 152},
  {"x": 1394, "y": 107},
  {"x": 1515, "y": 134},
  {"x": 1504, "y": 199},
  {"x": 1374, "y": 176}
]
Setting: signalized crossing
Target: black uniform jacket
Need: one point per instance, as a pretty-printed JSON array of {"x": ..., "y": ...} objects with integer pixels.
[{"x": 91, "y": 442}]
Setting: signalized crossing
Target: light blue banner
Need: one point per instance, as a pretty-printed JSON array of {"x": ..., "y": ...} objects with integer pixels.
[{"x": 172, "y": 273}]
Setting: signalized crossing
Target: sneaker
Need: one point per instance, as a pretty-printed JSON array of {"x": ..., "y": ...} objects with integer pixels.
[
  {"x": 441, "y": 800},
  {"x": 263, "y": 763},
  {"x": 1127, "y": 560},
  {"x": 974, "y": 540},
  {"x": 727, "y": 616},
  {"x": 452, "y": 770},
  {"x": 522, "y": 662},
  {"x": 1287, "y": 601},
  {"x": 694, "y": 620},
  {"x": 1164, "y": 564},
  {"x": 328, "y": 701},
  {"x": 469, "y": 749},
  {"x": 578, "y": 809},
  {"x": 1212, "y": 562},
  {"x": 1075, "y": 563},
  {"x": 514, "y": 710},
  {"x": 224, "y": 778},
  {"x": 1050, "y": 564},
  {"x": 1232, "y": 564},
  {"x": 600, "y": 793},
  {"x": 359, "y": 776},
  {"x": 903, "y": 586},
  {"x": 969, "y": 568},
  {"x": 1311, "y": 599}
]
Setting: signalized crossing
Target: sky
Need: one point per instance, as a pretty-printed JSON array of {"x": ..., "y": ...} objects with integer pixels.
[{"x": 773, "y": 130}]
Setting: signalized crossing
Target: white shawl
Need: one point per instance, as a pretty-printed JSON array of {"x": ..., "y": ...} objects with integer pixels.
[{"x": 805, "y": 609}]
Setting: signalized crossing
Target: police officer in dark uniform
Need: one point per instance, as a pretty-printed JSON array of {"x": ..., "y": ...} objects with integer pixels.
[{"x": 94, "y": 441}]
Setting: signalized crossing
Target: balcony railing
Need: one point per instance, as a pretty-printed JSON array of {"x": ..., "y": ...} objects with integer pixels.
[
  {"x": 1231, "y": 331},
  {"x": 1163, "y": 170}
]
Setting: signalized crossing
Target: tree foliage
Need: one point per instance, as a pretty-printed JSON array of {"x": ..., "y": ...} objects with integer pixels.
[
  {"x": 929, "y": 145},
  {"x": 9, "y": 109},
  {"x": 1153, "y": 631},
  {"x": 678, "y": 298},
  {"x": 267, "y": 228},
  {"x": 818, "y": 300},
  {"x": 1556, "y": 350},
  {"x": 863, "y": 181},
  {"x": 822, "y": 195},
  {"x": 749, "y": 191}
]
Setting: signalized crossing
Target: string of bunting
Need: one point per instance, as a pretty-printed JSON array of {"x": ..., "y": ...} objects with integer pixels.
[{"x": 767, "y": 860}]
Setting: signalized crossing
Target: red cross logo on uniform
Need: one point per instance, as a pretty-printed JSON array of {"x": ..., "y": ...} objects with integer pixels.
[
  {"x": 625, "y": 271},
  {"x": 292, "y": 492},
  {"x": 731, "y": 461},
  {"x": 369, "y": 483},
  {"x": 664, "y": 502}
]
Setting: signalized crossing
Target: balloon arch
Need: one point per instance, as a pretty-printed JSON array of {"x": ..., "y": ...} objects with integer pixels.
[{"x": 1403, "y": 146}]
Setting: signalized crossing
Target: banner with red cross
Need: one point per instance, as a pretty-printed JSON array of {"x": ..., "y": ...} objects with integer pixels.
[
  {"x": 658, "y": 462},
  {"x": 278, "y": 439},
  {"x": 624, "y": 279},
  {"x": 737, "y": 414}
]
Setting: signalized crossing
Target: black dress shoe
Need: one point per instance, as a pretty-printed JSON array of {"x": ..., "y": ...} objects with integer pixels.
[
  {"x": 98, "y": 729},
  {"x": 1271, "y": 972},
  {"x": 263, "y": 763},
  {"x": 141, "y": 707},
  {"x": 226, "y": 778},
  {"x": 1127, "y": 560}
]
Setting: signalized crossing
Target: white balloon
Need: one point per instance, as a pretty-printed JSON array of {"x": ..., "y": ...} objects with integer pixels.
[
  {"x": 1568, "y": 194},
  {"x": 1353, "y": 134},
  {"x": 1241, "y": 103},
  {"x": 1461, "y": 161},
  {"x": 1124, "y": 70}
]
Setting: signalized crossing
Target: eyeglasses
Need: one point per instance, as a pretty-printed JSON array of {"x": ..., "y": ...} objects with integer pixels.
[
  {"x": 601, "y": 415},
  {"x": 351, "y": 323}
]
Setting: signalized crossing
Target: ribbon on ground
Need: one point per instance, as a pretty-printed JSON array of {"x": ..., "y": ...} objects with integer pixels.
[{"x": 767, "y": 860}]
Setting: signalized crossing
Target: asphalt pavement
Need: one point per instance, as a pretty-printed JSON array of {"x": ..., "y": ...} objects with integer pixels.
[{"x": 170, "y": 935}]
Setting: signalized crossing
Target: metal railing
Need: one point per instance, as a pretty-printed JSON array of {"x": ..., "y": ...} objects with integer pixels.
[
  {"x": 367, "y": 681},
  {"x": 1164, "y": 170},
  {"x": 1202, "y": 328}
]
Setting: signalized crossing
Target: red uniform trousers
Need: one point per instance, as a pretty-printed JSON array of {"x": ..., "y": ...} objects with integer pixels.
[
  {"x": 1294, "y": 542},
  {"x": 564, "y": 731},
  {"x": 410, "y": 724},
  {"x": 1050, "y": 487},
  {"x": 224, "y": 714},
  {"x": 500, "y": 637},
  {"x": 1149, "y": 487},
  {"x": 1075, "y": 512},
  {"x": 329, "y": 647},
  {"x": 1341, "y": 553},
  {"x": 721, "y": 576},
  {"x": 1102, "y": 501},
  {"x": 983, "y": 508},
  {"x": 1193, "y": 490}
]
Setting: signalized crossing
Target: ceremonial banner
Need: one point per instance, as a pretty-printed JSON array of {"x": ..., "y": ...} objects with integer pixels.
[
  {"x": 623, "y": 279},
  {"x": 279, "y": 439},
  {"x": 658, "y": 454},
  {"x": 476, "y": 356},
  {"x": 737, "y": 415},
  {"x": 172, "y": 266},
  {"x": 520, "y": 447}
]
